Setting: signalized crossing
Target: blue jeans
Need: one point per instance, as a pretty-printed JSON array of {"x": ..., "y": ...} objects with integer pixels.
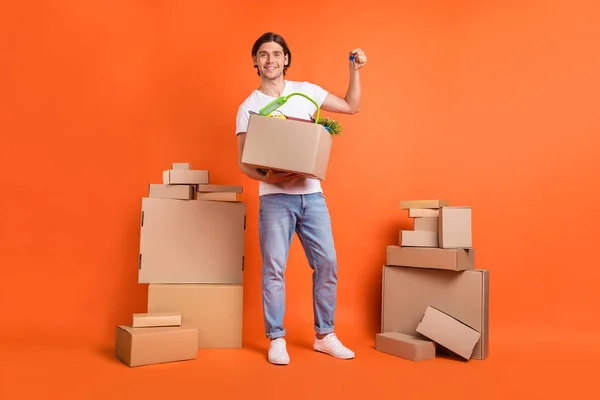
[{"x": 280, "y": 215}]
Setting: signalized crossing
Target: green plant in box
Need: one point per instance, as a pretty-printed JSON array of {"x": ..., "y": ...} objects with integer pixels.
[{"x": 331, "y": 125}]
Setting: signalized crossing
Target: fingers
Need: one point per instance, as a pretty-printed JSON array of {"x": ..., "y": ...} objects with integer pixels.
[{"x": 360, "y": 58}]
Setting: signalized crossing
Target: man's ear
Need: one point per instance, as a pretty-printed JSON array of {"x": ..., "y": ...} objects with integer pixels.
[
  {"x": 254, "y": 61},
  {"x": 285, "y": 62}
]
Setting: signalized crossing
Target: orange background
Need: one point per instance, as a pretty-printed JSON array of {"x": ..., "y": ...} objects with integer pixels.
[{"x": 488, "y": 104}]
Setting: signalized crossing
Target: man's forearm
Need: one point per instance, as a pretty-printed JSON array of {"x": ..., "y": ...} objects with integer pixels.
[
  {"x": 353, "y": 95},
  {"x": 252, "y": 173}
]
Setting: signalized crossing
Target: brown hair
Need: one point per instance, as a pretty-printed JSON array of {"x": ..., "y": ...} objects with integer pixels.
[{"x": 272, "y": 37}]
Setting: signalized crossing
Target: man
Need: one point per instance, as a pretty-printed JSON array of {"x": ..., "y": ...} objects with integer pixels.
[{"x": 290, "y": 203}]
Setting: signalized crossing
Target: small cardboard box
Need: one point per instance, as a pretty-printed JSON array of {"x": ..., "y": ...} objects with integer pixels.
[
  {"x": 161, "y": 191},
  {"x": 423, "y": 212},
  {"x": 405, "y": 346},
  {"x": 144, "y": 346},
  {"x": 287, "y": 145},
  {"x": 220, "y": 196},
  {"x": 455, "y": 228},
  {"x": 432, "y": 258},
  {"x": 408, "y": 204},
  {"x": 145, "y": 320},
  {"x": 219, "y": 188},
  {"x": 426, "y": 224},
  {"x": 181, "y": 165},
  {"x": 448, "y": 332},
  {"x": 185, "y": 177},
  {"x": 215, "y": 310},
  {"x": 410, "y": 238}
]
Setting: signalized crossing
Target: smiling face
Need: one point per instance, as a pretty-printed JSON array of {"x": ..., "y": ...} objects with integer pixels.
[{"x": 271, "y": 60}]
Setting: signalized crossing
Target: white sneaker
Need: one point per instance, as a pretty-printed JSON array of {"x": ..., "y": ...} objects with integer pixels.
[
  {"x": 278, "y": 353},
  {"x": 331, "y": 345}
]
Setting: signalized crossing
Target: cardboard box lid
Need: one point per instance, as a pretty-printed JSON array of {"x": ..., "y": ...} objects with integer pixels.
[
  {"x": 434, "y": 203},
  {"x": 191, "y": 241},
  {"x": 407, "y": 292}
]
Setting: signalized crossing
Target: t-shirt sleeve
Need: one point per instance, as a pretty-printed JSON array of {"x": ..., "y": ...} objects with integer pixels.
[
  {"x": 241, "y": 122},
  {"x": 319, "y": 94}
]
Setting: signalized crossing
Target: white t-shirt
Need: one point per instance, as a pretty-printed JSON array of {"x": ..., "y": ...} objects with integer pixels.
[{"x": 296, "y": 106}]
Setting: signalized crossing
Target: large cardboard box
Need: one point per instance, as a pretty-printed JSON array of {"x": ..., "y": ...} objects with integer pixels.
[
  {"x": 191, "y": 241},
  {"x": 410, "y": 347},
  {"x": 432, "y": 257},
  {"x": 407, "y": 292},
  {"x": 448, "y": 332},
  {"x": 144, "y": 346},
  {"x": 287, "y": 145},
  {"x": 215, "y": 310}
]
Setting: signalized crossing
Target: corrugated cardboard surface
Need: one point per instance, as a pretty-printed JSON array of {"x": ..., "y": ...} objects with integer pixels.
[
  {"x": 407, "y": 292},
  {"x": 434, "y": 258},
  {"x": 448, "y": 332},
  {"x": 287, "y": 145},
  {"x": 405, "y": 346},
  {"x": 141, "y": 320},
  {"x": 215, "y": 310},
  {"x": 145, "y": 346},
  {"x": 455, "y": 227},
  {"x": 191, "y": 241}
]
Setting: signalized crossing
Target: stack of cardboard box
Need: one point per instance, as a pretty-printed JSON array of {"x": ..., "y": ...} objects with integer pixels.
[
  {"x": 434, "y": 300},
  {"x": 192, "y": 256}
]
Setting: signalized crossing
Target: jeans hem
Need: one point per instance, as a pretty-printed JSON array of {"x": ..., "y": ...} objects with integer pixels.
[
  {"x": 276, "y": 335},
  {"x": 324, "y": 331}
]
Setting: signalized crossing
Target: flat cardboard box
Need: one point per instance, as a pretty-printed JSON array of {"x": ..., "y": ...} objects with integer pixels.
[
  {"x": 455, "y": 229},
  {"x": 191, "y": 241},
  {"x": 448, "y": 332},
  {"x": 410, "y": 347},
  {"x": 418, "y": 238},
  {"x": 433, "y": 258},
  {"x": 219, "y": 188},
  {"x": 215, "y": 310},
  {"x": 407, "y": 292},
  {"x": 426, "y": 224},
  {"x": 162, "y": 191},
  {"x": 181, "y": 165},
  {"x": 185, "y": 177},
  {"x": 408, "y": 204},
  {"x": 145, "y": 320},
  {"x": 144, "y": 346},
  {"x": 287, "y": 145},
  {"x": 219, "y": 196},
  {"x": 423, "y": 212}
]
